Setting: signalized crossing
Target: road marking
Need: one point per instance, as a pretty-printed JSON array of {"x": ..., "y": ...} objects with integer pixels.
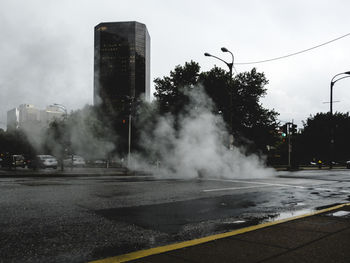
[
  {"x": 234, "y": 188},
  {"x": 267, "y": 185},
  {"x": 323, "y": 189},
  {"x": 158, "y": 250},
  {"x": 248, "y": 182}
]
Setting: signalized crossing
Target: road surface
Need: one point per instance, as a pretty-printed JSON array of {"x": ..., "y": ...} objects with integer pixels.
[{"x": 82, "y": 218}]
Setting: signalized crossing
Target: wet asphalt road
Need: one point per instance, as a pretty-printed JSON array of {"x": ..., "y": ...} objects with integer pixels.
[{"x": 79, "y": 219}]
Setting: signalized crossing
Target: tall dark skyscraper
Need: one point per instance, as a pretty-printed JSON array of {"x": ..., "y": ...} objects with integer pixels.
[{"x": 122, "y": 64}]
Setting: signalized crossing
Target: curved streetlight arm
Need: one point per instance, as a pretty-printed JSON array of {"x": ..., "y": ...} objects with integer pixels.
[
  {"x": 228, "y": 64},
  {"x": 346, "y": 73},
  {"x": 333, "y": 82},
  {"x": 223, "y": 49}
]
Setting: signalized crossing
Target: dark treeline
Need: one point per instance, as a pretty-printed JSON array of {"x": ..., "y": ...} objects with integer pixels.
[
  {"x": 14, "y": 142},
  {"x": 313, "y": 143}
]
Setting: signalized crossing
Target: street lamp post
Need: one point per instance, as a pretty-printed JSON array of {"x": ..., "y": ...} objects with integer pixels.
[
  {"x": 131, "y": 105},
  {"x": 62, "y": 107},
  {"x": 333, "y": 81},
  {"x": 230, "y": 66}
]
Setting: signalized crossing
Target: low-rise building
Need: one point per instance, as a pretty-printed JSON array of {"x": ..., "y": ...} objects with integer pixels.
[
  {"x": 27, "y": 116},
  {"x": 13, "y": 119}
]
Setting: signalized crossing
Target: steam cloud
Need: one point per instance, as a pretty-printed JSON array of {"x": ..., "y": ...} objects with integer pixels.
[{"x": 197, "y": 148}]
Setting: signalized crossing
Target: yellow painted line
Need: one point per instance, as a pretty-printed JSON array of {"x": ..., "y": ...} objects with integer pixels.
[{"x": 167, "y": 248}]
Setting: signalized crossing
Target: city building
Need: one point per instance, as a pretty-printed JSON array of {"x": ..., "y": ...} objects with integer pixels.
[
  {"x": 50, "y": 113},
  {"x": 122, "y": 65},
  {"x": 13, "y": 119},
  {"x": 28, "y": 117},
  {"x": 28, "y": 114}
]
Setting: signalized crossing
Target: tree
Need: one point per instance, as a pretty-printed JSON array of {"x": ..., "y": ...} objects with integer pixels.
[
  {"x": 57, "y": 140},
  {"x": 252, "y": 123},
  {"x": 314, "y": 141},
  {"x": 250, "y": 120},
  {"x": 170, "y": 90},
  {"x": 217, "y": 85},
  {"x": 91, "y": 133},
  {"x": 83, "y": 132},
  {"x": 15, "y": 142}
]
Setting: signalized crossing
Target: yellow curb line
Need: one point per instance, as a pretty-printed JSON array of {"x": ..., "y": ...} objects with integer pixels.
[{"x": 167, "y": 248}]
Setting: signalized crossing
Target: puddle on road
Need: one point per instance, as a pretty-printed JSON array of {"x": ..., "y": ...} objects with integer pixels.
[
  {"x": 241, "y": 223},
  {"x": 238, "y": 222},
  {"x": 288, "y": 214},
  {"x": 340, "y": 213}
]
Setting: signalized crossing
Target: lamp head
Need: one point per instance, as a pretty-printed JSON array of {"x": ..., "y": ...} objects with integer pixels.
[
  {"x": 207, "y": 54},
  {"x": 223, "y": 49}
]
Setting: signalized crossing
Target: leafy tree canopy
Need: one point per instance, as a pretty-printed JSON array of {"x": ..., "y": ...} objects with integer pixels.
[
  {"x": 314, "y": 141},
  {"x": 14, "y": 142},
  {"x": 250, "y": 120}
]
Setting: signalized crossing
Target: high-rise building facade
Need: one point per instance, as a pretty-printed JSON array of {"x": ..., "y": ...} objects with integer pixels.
[{"x": 122, "y": 64}]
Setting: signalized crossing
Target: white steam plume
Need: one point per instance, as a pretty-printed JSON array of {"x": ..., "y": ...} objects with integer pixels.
[{"x": 197, "y": 148}]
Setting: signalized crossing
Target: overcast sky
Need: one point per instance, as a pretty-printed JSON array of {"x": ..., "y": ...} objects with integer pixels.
[{"x": 46, "y": 47}]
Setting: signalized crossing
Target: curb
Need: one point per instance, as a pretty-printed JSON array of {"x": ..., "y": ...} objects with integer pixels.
[{"x": 162, "y": 249}]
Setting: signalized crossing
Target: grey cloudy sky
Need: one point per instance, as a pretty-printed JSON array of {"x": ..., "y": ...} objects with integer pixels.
[{"x": 46, "y": 48}]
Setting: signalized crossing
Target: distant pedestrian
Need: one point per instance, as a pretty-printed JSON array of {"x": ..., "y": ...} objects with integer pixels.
[{"x": 319, "y": 164}]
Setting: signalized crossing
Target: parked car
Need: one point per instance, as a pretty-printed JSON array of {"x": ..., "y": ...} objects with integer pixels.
[
  {"x": 348, "y": 164},
  {"x": 18, "y": 160},
  {"x": 43, "y": 161},
  {"x": 75, "y": 161},
  {"x": 100, "y": 163},
  {"x": 14, "y": 160}
]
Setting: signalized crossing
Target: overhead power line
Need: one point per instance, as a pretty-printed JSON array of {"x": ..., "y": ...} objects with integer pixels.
[{"x": 293, "y": 54}]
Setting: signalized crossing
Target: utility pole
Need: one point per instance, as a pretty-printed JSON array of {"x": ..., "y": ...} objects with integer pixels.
[
  {"x": 129, "y": 140},
  {"x": 289, "y": 129},
  {"x": 132, "y": 102},
  {"x": 289, "y": 144}
]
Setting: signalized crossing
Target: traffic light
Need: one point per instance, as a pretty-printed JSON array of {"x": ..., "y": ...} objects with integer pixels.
[
  {"x": 284, "y": 130},
  {"x": 293, "y": 129}
]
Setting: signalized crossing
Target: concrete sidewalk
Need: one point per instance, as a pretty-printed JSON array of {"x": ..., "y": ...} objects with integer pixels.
[{"x": 323, "y": 236}]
